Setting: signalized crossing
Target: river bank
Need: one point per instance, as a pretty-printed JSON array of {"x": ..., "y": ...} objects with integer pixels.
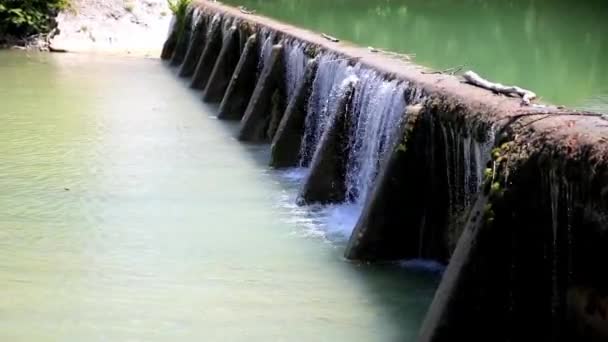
[
  {"x": 116, "y": 27},
  {"x": 134, "y": 27}
]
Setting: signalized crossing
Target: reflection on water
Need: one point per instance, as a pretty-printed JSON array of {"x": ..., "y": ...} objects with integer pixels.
[
  {"x": 126, "y": 213},
  {"x": 557, "y": 48}
]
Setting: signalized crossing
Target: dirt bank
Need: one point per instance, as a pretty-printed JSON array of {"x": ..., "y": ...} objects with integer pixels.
[{"x": 123, "y": 27}]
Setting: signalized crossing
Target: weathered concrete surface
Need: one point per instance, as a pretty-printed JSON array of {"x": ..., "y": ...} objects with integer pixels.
[
  {"x": 242, "y": 83},
  {"x": 326, "y": 182},
  {"x": 208, "y": 57},
  {"x": 287, "y": 141},
  {"x": 392, "y": 225},
  {"x": 195, "y": 49},
  {"x": 169, "y": 45},
  {"x": 444, "y": 322},
  {"x": 264, "y": 105},
  {"x": 183, "y": 40},
  {"x": 540, "y": 234},
  {"x": 224, "y": 67}
]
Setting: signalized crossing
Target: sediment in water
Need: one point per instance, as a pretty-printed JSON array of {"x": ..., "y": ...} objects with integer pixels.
[{"x": 513, "y": 198}]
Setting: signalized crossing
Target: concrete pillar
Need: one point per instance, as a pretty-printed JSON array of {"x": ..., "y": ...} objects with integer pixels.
[
  {"x": 380, "y": 233},
  {"x": 256, "y": 125},
  {"x": 326, "y": 181},
  {"x": 195, "y": 49},
  {"x": 242, "y": 83},
  {"x": 183, "y": 39},
  {"x": 224, "y": 67},
  {"x": 287, "y": 141},
  {"x": 208, "y": 57},
  {"x": 169, "y": 45},
  {"x": 453, "y": 310}
]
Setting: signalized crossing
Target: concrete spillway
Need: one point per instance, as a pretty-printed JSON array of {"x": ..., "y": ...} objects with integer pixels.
[{"x": 514, "y": 198}]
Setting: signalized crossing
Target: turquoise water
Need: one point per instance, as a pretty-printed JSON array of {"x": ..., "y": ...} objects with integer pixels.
[
  {"x": 129, "y": 213},
  {"x": 558, "y": 48}
]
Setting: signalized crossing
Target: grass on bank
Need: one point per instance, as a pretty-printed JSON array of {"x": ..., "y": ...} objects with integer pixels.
[{"x": 179, "y": 8}]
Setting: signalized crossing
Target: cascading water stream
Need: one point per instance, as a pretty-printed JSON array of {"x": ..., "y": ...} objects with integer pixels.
[
  {"x": 325, "y": 92},
  {"x": 378, "y": 108},
  {"x": 267, "y": 39},
  {"x": 295, "y": 64}
]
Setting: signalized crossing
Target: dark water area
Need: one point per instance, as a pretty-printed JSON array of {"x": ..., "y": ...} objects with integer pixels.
[{"x": 559, "y": 49}]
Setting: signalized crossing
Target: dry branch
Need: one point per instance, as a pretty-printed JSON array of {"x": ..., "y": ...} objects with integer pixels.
[
  {"x": 330, "y": 38},
  {"x": 473, "y": 78},
  {"x": 244, "y": 10}
]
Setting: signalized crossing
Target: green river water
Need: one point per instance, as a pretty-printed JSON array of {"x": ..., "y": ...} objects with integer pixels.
[
  {"x": 128, "y": 213},
  {"x": 559, "y": 49}
]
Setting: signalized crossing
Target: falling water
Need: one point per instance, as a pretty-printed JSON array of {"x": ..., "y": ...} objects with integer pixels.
[
  {"x": 295, "y": 64},
  {"x": 466, "y": 159},
  {"x": 378, "y": 108},
  {"x": 325, "y": 92},
  {"x": 227, "y": 24},
  {"x": 267, "y": 37},
  {"x": 197, "y": 15},
  {"x": 554, "y": 195},
  {"x": 215, "y": 20}
]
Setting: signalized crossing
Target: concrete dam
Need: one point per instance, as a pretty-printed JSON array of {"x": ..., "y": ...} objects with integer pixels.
[{"x": 512, "y": 197}]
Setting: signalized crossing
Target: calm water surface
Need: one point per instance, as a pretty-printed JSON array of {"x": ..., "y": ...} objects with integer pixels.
[
  {"x": 557, "y": 48},
  {"x": 127, "y": 213}
]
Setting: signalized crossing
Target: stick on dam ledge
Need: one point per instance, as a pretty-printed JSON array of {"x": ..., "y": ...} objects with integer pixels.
[{"x": 515, "y": 205}]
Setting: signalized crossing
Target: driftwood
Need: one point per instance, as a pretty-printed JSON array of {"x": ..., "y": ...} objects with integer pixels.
[
  {"x": 330, "y": 38},
  {"x": 244, "y": 10},
  {"x": 403, "y": 56},
  {"x": 448, "y": 71},
  {"x": 526, "y": 95}
]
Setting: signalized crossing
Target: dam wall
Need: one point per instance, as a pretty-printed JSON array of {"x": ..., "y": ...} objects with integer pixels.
[{"x": 512, "y": 198}]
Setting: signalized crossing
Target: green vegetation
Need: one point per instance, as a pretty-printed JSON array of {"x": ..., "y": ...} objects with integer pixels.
[
  {"x": 179, "y": 9},
  {"x": 23, "y": 18}
]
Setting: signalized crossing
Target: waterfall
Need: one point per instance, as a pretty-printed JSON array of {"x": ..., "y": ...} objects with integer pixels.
[
  {"x": 295, "y": 64},
  {"x": 325, "y": 93},
  {"x": 267, "y": 37},
  {"x": 378, "y": 108},
  {"x": 227, "y": 24},
  {"x": 197, "y": 17},
  {"x": 215, "y": 20},
  {"x": 376, "y": 111}
]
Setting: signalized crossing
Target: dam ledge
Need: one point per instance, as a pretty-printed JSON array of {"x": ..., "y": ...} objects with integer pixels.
[{"x": 513, "y": 198}]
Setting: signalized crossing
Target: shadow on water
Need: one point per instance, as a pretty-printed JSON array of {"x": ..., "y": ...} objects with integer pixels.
[{"x": 404, "y": 295}]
